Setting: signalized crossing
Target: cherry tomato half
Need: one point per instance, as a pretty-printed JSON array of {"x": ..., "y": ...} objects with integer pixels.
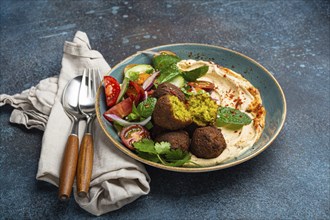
[
  {"x": 135, "y": 92},
  {"x": 133, "y": 133},
  {"x": 202, "y": 85},
  {"x": 112, "y": 90}
]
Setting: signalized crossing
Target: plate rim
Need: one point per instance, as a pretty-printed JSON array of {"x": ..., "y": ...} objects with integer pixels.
[{"x": 193, "y": 169}]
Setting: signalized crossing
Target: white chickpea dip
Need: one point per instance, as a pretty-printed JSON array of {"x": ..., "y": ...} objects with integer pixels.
[{"x": 231, "y": 90}]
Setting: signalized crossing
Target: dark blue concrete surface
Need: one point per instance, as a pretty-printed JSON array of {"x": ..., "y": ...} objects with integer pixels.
[{"x": 290, "y": 180}]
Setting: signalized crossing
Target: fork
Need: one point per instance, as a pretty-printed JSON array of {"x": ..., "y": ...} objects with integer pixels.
[{"x": 90, "y": 82}]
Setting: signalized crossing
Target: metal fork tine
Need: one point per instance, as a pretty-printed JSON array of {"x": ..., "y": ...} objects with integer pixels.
[
  {"x": 83, "y": 81},
  {"x": 89, "y": 86},
  {"x": 87, "y": 107},
  {"x": 95, "y": 84},
  {"x": 99, "y": 76}
]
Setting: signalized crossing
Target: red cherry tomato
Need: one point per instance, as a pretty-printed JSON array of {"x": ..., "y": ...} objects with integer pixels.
[
  {"x": 133, "y": 133},
  {"x": 135, "y": 92},
  {"x": 121, "y": 109},
  {"x": 112, "y": 90},
  {"x": 202, "y": 85}
]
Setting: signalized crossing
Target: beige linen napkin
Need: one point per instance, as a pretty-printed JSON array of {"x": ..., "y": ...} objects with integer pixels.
[
  {"x": 116, "y": 179},
  {"x": 33, "y": 105}
]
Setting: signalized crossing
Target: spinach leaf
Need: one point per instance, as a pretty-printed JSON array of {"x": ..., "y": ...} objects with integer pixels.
[
  {"x": 143, "y": 110},
  {"x": 146, "y": 107},
  {"x": 163, "y": 61},
  {"x": 168, "y": 73},
  {"x": 193, "y": 75},
  {"x": 232, "y": 118},
  {"x": 166, "y": 64}
]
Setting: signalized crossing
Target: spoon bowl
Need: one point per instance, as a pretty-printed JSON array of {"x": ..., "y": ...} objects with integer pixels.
[
  {"x": 70, "y": 98},
  {"x": 70, "y": 101}
]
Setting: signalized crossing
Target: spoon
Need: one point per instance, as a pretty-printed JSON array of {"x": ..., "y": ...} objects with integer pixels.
[{"x": 70, "y": 157}]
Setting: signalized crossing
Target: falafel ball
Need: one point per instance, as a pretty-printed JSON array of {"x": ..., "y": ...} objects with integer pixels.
[
  {"x": 170, "y": 113},
  {"x": 177, "y": 139},
  {"x": 207, "y": 142},
  {"x": 168, "y": 88}
]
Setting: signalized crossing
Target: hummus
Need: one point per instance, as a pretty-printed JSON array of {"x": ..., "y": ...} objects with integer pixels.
[{"x": 231, "y": 90}]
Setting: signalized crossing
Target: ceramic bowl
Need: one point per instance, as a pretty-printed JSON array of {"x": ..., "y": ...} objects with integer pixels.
[{"x": 271, "y": 93}]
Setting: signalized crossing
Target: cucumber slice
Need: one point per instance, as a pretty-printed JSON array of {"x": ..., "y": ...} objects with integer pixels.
[
  {"x": 133, "y": 73},
  {"x": 178, "y": 81},
  {"x": 123, "y": 89}
]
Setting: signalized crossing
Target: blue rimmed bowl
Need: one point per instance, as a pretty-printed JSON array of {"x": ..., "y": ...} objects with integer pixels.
[{"x": 271, "y": 93}]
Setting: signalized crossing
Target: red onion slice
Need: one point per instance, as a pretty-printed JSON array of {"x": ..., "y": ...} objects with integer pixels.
[
  {"x": 214, "y": 95},
  {"x": 150, "y": 81},
  {"x": 127, "y": 123},
  {"x": 145, "y": 95}
]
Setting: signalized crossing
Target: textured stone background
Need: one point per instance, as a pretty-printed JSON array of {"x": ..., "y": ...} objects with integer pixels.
[{"x": 290, "y": 38}]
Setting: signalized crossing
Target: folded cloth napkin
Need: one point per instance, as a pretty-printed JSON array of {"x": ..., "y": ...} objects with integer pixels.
[
  {"x": 116, "y": 179},
  {"x": 33, "y": 106}
]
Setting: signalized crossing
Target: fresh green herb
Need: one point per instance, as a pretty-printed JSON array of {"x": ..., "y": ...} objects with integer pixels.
[
  {"x": 232, "y": 118},
  {"x": 166, "y": 64},
  {"x": 146, "y": 107},
  {"x": 133, "y": 76},
  {"x": 145, "y": 145},
  {"x": 143, "y": 110},
  {"x": 161, "y": 153},
  {"x": 187, "y": 90},
  {"x": 134, "y": 72},
  {"x": 117, "y": 126},
  {"x": 149, "y": 125},
  {"x": 162, "y": 147},
  {"x": 134, "y": 115},
  {"x": 147, "y": 156},
  {"x": 193, "y": 75},
  {"x": 168, "y": 74},
  {"x": 163, "y": 61},
  {"x": 173, "y": 155},
  {"x": 177, "y": 163}
]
